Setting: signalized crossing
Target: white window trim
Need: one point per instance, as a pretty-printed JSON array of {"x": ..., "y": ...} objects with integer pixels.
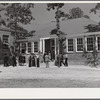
[
  {"x": 32, "y": 47},
  {"x": 38, "y": 47},
  {"x": 8, "y": 38},
  {"x": 76, "y": 44},
  {"x": 46, "y": 38},
  {"x": 20, "y": 47},
  {"x": 67, "y": 46},
  {"x": 40, "y": 43},
  {"x": 86, "y": 44},
  {"x": 27, "y": 48},
  {"x": 97, "y": 43}
]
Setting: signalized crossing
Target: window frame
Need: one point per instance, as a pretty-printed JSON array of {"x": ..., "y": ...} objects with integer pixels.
[
  {"x": 97, "y": 43},
  {"x": 5, "y": 40},
  {"x": 37, "y": 46},
  {"x": 76, "y": 39},
  {"x": 67, "y": 45},
  {"x": 29, "y": 47},
  {"x": 87, "y": 43}
]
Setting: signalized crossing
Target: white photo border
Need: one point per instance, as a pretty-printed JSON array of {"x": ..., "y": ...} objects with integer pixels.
[{"x": 49, "y": 93}]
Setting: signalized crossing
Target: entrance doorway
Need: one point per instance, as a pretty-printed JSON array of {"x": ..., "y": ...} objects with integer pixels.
[
  {"x": 47, "y": 45},
  {"x": 50, "y": 47}
]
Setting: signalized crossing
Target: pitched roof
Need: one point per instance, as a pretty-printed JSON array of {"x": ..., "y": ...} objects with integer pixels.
[
  {"x": 4, "y": 28},
  {"x": 69, "y": 27},
  {"x": 76, "y": 26}
]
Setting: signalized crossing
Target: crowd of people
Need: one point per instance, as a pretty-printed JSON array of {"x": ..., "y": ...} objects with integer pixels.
[
  {"x": 47, "y": 57},
  {"x": 36, "y": 60}
]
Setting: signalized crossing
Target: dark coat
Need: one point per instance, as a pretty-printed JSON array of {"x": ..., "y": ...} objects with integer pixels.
[
  {"x": 30, "y": 61},
  {"x": 14, "y": 60},
  {"x": 33, "y": 61}
]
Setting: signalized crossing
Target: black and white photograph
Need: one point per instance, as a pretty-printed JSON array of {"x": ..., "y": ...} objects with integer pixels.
[{"x": 49, "y": 45}]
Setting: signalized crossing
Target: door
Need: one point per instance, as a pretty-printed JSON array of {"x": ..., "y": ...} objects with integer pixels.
[
  {"x": 47, "y": 45},
  {"x": 52, "y": 48}
]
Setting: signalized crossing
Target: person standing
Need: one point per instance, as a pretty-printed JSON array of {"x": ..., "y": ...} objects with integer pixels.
[
  {"x": 38, "y": 61},
  {"x": 49, "y": 53},
  {"x": 6, "y": 61},
  {"x": 44, "y": 57},
  {"x": 66, "y": 59},
  {"x": 33, "y": 61},
  {"x": 47, "y": 60},
  {"x": 52, "y": 55},
  {"x": 61, "y": 60},
  {"x": 35, "y": 56},
  {"x": 30, "y": 61},
  {"x": 14, "y": 61},
  {"x": 41, "y": 57}
]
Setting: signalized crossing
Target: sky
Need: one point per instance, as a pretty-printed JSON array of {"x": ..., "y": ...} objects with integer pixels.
[{"x": 42, "y": 16}]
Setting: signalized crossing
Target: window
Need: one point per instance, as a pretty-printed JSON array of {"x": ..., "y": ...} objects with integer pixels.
[
  {"x": 98, "y": 42},
  {"x": 79, "y": 44},
  {"x": 35, "y": 46},
  {"x": 23, "y": 47},
  {"x": 5, "y": 46},
  {"x": 5, "y": 38},
  {"x": 70, "y": 45},
  {"x": 90, "y": 44},
  {"x": 29, "y": 47}
]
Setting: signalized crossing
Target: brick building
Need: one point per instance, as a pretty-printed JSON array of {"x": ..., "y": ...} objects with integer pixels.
[
  {"x": 6, "y": 41},
  {"x": 77, "y": 38}
]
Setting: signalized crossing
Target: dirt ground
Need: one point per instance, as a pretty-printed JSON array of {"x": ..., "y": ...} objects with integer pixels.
[{"x": 73, "y": 76}]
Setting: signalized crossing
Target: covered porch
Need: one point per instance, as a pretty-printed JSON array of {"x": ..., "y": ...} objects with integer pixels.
[{"x": 48, "y": 44}]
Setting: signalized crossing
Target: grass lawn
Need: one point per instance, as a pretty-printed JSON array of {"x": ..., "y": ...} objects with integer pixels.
[{"x": 53, "y": 77}]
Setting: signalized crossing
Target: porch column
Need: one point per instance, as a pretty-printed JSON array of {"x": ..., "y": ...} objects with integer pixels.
[
  {"x": 84, "y": 43},
  {"x": 43, "y": 45},
  {"x": 20, "y": 46},
  {"x": 26, "y": 48},
  {"x": 55, "y": 47},
  {"x": 32, "y": 47},
  {"x": 96, "y": 43},
  {"x": 40, "y": 45}
]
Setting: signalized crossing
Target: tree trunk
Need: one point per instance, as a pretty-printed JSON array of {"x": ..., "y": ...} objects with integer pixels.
[
  {"x": 94, "y": 51},
  {"x": 58, "y": 34}
]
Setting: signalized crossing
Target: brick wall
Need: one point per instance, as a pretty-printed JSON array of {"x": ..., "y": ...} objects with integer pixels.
[
  {"x": 75, "y": 58},
  {"x": 10, "y": 43}
]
